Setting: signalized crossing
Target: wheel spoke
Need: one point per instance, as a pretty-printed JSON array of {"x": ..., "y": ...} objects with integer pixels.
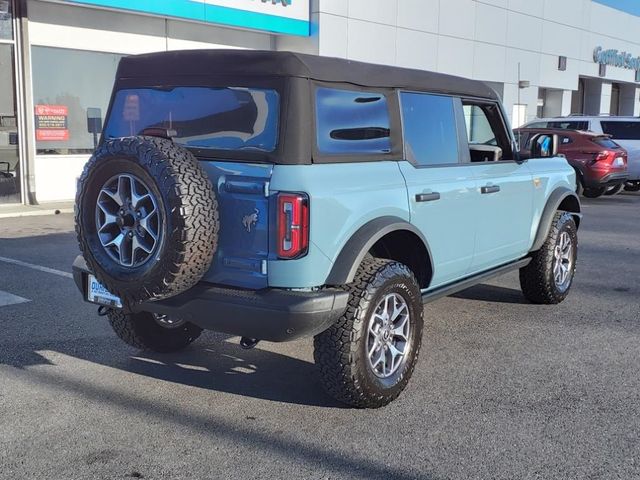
[
  {"x": 399, "y": 330},
  {"x": 146, "y": 225},
  {"x": 374, "y": 348},
  {"x": 557, "y": 273},
  {"x": 398, "y": 308},
  {"x": 124, "y": 189},
  {"x": 136, "y": 245},
  {"x": 136, "y": 197},
  {"x": 395, "y": 353}
]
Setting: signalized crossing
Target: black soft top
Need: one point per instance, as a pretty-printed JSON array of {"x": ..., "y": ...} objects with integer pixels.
[{"x": 288, "y": 64}]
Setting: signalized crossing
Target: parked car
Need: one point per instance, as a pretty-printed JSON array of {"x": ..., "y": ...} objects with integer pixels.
[
  {"x": 599, "y": 162},
  {"x": 625, "y": 131},
  {"x": 273, "y": 195}
]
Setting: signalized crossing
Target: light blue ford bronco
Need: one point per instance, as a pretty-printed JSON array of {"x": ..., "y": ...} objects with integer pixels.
[{"x": 274, "y": 195}]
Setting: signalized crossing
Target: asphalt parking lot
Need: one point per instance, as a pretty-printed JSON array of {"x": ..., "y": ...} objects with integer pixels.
[{"x": 503, "y": 388}]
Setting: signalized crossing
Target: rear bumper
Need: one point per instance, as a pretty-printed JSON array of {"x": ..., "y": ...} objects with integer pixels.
[
  {"x": 275, "y": 315},
  {"x": 605, "y": 180}
]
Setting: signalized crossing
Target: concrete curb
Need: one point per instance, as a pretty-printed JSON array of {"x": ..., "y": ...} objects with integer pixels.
[{"x": 35, "y": 212}]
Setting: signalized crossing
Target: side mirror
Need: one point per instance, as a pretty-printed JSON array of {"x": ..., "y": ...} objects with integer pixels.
[
  {"x": 94, "y": 123},
  {"x": 544, "y": 145},
  {"x": 94, "y": 120}
]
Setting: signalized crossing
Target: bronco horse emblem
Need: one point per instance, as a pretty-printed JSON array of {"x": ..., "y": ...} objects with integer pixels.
[{"x": 250, "y": 220}]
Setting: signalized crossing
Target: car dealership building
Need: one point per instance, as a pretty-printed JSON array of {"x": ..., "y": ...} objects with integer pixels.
[{"x": 58, "y": 59}]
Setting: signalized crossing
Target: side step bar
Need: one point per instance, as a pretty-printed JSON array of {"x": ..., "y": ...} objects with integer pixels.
[{"x": 447, "y": 290}]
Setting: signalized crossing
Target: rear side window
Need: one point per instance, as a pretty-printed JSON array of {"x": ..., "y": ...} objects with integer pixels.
[
  {"x": 430, "y": 133},
  {"x": 228, "y": 118},
  {"x": 605, "y": 142},
  {"x": 569, "y": 125},
  {"x": 622, "y": 130},
  {"x": 351, "y": 122}
]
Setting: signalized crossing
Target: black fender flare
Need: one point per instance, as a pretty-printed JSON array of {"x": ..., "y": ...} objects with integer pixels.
[
  {"x": 351, "y": 256},
  {"x": 556, "y": 198}
]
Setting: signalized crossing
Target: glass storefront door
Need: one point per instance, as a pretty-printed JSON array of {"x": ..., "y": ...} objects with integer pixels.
[{"x": 9, "y": 154}]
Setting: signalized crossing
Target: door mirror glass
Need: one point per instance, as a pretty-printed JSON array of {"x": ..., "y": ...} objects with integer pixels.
[{"x": 544, "y": 145}]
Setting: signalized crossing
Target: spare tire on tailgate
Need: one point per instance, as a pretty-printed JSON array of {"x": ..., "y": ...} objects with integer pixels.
[{"x": 146, "y": 218}]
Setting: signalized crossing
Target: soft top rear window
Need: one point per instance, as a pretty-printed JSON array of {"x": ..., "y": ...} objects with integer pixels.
[
  {"x": 622, "y": 130},
  {"x": 217, "y": 118}
]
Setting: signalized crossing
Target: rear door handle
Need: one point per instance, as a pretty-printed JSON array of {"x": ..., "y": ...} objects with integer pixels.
[
  {"x": 490, "y": 189},
  {"x": 427, "y": 197}
]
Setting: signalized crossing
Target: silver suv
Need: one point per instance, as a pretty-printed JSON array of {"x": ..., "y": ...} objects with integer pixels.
[{"x": 624, "y": 130}]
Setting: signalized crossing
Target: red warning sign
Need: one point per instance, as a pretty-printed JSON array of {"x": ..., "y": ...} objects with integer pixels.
[{"x": 51, "y": 122}]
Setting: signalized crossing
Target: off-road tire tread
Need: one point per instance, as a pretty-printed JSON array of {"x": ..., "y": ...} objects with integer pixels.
[
  {"x": 536, "y": 279},
  {"x": 191, "y": 203},
  {"x": 150, "y": 336},
  {"x": 335, "y": 349}
]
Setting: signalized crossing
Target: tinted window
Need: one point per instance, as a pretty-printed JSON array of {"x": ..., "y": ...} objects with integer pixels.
[
  {"x": 605, "y": 142},
  {"x": 622, "y": 130},
  {"x": 350, "y": 122},
  {"x": 228, "y": 118},
  {"x": 569, "y": 125},
  {"x": 430, "y": 133},
  {"x": 536, "y": 125}
]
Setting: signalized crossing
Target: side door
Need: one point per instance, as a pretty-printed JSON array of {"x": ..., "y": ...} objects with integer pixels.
[
  {"x": 440, "y": 182},
  {"x": 503, "y": 205}
]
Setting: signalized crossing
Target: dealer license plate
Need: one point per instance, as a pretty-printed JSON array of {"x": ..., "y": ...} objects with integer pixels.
[{"x": 97, "y": 293}]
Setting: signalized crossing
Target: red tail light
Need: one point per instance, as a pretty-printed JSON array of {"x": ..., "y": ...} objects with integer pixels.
[
  {"x": 293, "y": 225},
  {"x": 605, "y": 156},
  {"x": 608, "y": 158}
]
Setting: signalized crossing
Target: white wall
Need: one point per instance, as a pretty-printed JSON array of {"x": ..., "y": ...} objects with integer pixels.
[{"x": 481, "y": 39}]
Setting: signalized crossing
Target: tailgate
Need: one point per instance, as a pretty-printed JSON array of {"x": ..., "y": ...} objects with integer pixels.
[{"x": 243, "y": 237}]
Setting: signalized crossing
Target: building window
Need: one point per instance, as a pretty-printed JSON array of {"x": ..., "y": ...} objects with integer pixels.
[
  {"x": 6, "y": 23},
  {"x": 9, "y": 156},
  {"x": 69, "y": 88},
  {"x": 430, "y": 133},
  {"x": 351, "y": 122}
]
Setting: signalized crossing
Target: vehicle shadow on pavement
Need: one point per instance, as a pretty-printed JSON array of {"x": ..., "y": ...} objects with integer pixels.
[
  {"x": 223, "y": 366},
  {"x": 492, "y": 293},
  {"x": 210, "y": 363}
]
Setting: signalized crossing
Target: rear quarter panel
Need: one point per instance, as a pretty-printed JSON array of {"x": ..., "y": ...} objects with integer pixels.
[
  {"x": 548, "y": 175},
  {"x": 343, "y": 197}
]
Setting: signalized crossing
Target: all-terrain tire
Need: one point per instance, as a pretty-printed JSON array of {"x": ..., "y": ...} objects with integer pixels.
[
  {"x": 341, "y": 351},
  {"x": 144, "y": 332},
  {"x": 188, "y": 210},
  {"x": 537, "y": 278}
]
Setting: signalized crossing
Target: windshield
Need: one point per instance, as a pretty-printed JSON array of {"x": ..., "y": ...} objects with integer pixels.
[
  {"x": 622, "y": 130},
  {"x": 228, "y": 118}
]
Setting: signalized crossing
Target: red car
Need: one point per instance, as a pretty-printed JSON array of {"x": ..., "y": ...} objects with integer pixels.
[{"x": 600, "y": 163}]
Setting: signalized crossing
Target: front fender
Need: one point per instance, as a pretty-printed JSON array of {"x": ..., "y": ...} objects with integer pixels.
[{"x": 351, "y": 256}]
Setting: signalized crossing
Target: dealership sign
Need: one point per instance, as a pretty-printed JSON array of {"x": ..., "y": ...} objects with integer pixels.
[
  {"x": 278, "y": 16},
  {"x": 615, "y": 58}
]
